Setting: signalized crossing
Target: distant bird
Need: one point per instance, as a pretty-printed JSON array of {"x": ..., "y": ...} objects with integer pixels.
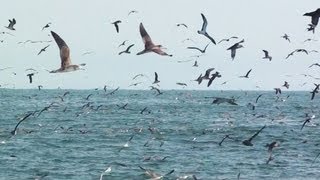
[
  {"x": 219, "y": 100},
  {"x": 181, "y": 84},
  {"x": 234, "y": 47},
  {"x": 314, "y": 64},
  {"x": 46, "y": 26},
  {"x": 40, "y": 87},
  {"x": 247, "y": 75},
  {"x": 278, "y": 90},
  {"x": 315, "y": 90},
  {"x": 135, "y": 84},
  {"x": 116, "y": 25},
  {"x": 11, "y": 24},
  {"x": 123, "y": 43},
  {"x": 132, "y": 12},
  {"x": 297, "y": 50},
  {"x": 43, "y": 49},
  {"x": 14, "y": 132},
  {"x": 309, "y": 39},
  {"x": 272, "y": 145},
  {"x": 248, "y": 142},
  {"x": 203, "y": 30},
  {"x": 66, "y": 65},
  {"x": 199, "y": 79},
  {"x": 286, "y": 37},
  {"x": 213, "y": 77},
  {"x": 207, "y": 74},
  {"x": 155, "y": 78},
  {"x": 307, "y": 121},
  {"x": 149, "y": 46},
  {"x": 195, "y": 64},
  {"x": 182, "y": 24},
  {"x": 158, "y": 90},
  {"x": 202, "y": 51},
  {"x": 228, "y": 39},
  {"x": 314, "y": 16},
  {"x": 105, "y": 88},
  {"x": 286, "y": 84},
  {"x": 30, "y": 77},
  {"x": 127, "y": 50},
  {"x": 266, "y": 55}
]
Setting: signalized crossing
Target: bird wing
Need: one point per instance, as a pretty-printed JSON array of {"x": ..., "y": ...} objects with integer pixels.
[
  {"x": 208, "y": 72},
  {"x": 14, "y": 21},
  {"x": 265, "y": 53},
  {"x": 129, "y": 47},
  {"x": 117, "y": 27},
  {"x": 258, "y": 98},
  {"x": 194, "y": 48},
  {"x": 248, "y": 72},
  {"x": 211, "y": 39},
  {"x": 64, "y": 50},
  {"x": 315, "y": 20},
  {"x": 233, "y": 53},
  {"x": 210, "y": 81},
  {"x": 145, "y": 37},
  {"x": 155, "y": 76},
  {"x": 205, "y": 23},
  {"x": 159, "y": 51}
]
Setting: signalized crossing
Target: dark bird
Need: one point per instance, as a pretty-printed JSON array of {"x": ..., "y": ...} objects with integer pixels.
[
  {"x": 116, "y": 25},
  {"x": 43, "y": 49},
  {"x": 181, "y": 84},
  {"x": 40, "y": 87},
  {"x": 314, "y": 16},
  {"x": 195, "y": 64},
  {"x": 182, "y": 24},
  {"x": 314, "y": 64},
  {"x": 199, "y": 79},
  {"x": 234, "y": 47},
  {"x": 309, "y": 118},
  {"x": 30, "y": 77},
  {"x": 158, "y": 90},
  {"x": 135, "y": 84},
  {"x": 266, "y": 55},
  {"x": 203, "y": 30},
  {"x": 123, "y": 107},
  {"x": 233, "y": 37},
  {"x": 272, "y": 145},
  {"x": 213, "y": 77},
  {"x": 46, "y": 26},
  {"x": 148, "y": 44},
  {"x": 278, "y": 90},
  {"x": 202, "y": 51},
  {"x": 315, "y": 90},
  {"x": 123, "y": 43},
  {"x": 11, "y": 24},
  {"x": 311, "y": 28},
  {"x": 207, "y": 74},
  {"x": 127, "y": 50},
  {"x": 156, "y": 80},
  {"x": 14, "y": 132},
  {"x": 45, "y": 109},
  {"x": 286, "y": 84},
  {"x": 297, "y": 50},
  {"x": 286, "y": 37},
  {"x": 247, "y": 75},
  {"x": 248, "y": 142}
]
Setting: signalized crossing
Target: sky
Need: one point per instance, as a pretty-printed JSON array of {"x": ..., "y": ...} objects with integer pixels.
[{"x": 86, "y": 27}]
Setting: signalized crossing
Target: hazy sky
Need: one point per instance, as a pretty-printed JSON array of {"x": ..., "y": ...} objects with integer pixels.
[{"x": 86, "y": 26}]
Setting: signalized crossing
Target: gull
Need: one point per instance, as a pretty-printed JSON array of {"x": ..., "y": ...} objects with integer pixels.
[
  {"x": 202, "y": 51},
  {"x": 43, "y": 49},
  {"x": 234, "y": 47},
  {"x": 314, "y": 64},
  {"x": 314, "y": 16},
  {"x": 158, "y": 90},
  {"x": 45, "y": 109},
  {"x": 154, "y": 175},
  {"x": 286, "y": 84},
  {"x": 14, "y": 132},
  {"x": 286, "y": 37},
  {"x": 105, "y": 88},
  {"x": 195, "y": 64},
  {"x": 148, "y": 44},
  {"x": 315, "y": 90},
  {"x": 181, "y": 84},
  {"x": 219, "y": 100},
  {"x": 30, "y": 77},
  {"x": 315, "y": 51},
  {"x": 233, "y": 37},
  {"x": 46, "y": 26},
  {"x": 66, "y": 65},
  {"x": 247, "y": 75},
  {"x": 203, "y": 30},
  {"x": 127, "y": 50},
  {"x": 248, "y": 142},
  {"x": 123, "y": 43},
  {"x": 182, "y": 24},
  {"x": 133, "y": 11},
  {"x": 207, "y": 74},
  {"x": 278, "y": 90},
  {"x": 297, "y": 50},
  {"x": 116, "y": 25},
  {"x": 307, "y": 121},
  {"x": 213, "y": 76},
  {"x": 112, "y": 92},
  {"x": 155, "y": 78},
  {"x": 40, "y": 87},
  {"x": 266, "y": 55},
  {"x": 11, "y": 24}
]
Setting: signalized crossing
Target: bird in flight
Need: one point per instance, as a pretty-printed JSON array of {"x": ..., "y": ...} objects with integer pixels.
[
  {"x": 297, "y": 50},
  {"x": 228, "y": 39},
  {"x": 207, "y": 74},
  {"x": 247, "y": 75},
  {"x": 315, "y": 15},
  {"x": 156, "y": 80},
  {"x": 43, "y": 49},
  {"x": 266, "y": 55},
  {"x": 66, "y": 65},
  {"x": 11, "y": 24},
  {"x": 201, "y": 50},
  {"x": 132, "y": 12},
  {"x": 123, "y": 43},
  {"x": 182, "y": 24},
  {"x": 213, "y": 76},
  {"x": 14, "y": 132},
  {"x": 116, "y": 25},
  {"x": 286, "y": 84},
  {"x": 286, "y": 37},
  {"x": 46, "y": 26},
  {"x": 234, "y": 47},
  {"x": 195, "y": 64},
  {"x": 315, "y": 90},
  {"x": 30, "y": 77},
  {"x": 148, "y": 44},
  {"x": 127, "y": 50},
  {"x": 278, "y": 90},
  {"x": 203, "y": 30}
]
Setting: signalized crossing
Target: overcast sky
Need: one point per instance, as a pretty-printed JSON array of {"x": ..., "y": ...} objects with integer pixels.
[{"x": 86, "y": 26}]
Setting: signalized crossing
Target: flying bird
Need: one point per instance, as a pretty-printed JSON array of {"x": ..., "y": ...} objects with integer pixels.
[
  {"x": 155, "y": 78},
  {"x": 11, "y": 24},
  {"x": 207, "y": 74},
  {"x": 46, "y": 26},
  {"x": 286, "y": 84},
  {"x": 315, "y": 90},
  {"x": 247, "y": 75},
  {"x": 132, "y": 12},
  {"x": 14, "y": 132},
  {"x": 148, "y": 44},
  {"x": 199, "y": 79},
  {"x": 116, "y": 25},
  {"x": 213, "y": 76},
  {"x": 30, "y": 77},
  {"x": 278, "y": 90},
  {"x": 43, "y": 49},
  {"x": 314, "y": 16},
  {"x": 127, "y": 50},
  {"x": 158, "y": 90},
  {"x": 195, "y": 64},
  {"x": 297, "y": 50},
  {"x": 266, "y": 55},
  {"x": 202, "y": 51},
  {"x": 228, "y": 39},
  {"x": 286, "y": 37},
  {"x": 309, "y": 118},
  {"x": 182, "y": 24},
  {"x": 66, "y": 65},
  {"x": 203, "y": 30},
  {"x": 181, "y": 84},
  {"x": 123, "y": 43},
  {"x": 248, "y": 142},
  {"x": 234, "y": 47},
  {"x": 219, "y": 100}
]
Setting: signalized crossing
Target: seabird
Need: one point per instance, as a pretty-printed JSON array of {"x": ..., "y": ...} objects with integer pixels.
[
  {"x": 123, "y": 43},
  {"x": 247, "y": 75},
  {"x": 315, "y": 90},
  {"x": 202, "y": 51},
  {"x": 135, "y": 84},
  {"x": 14, "y": 132},
  {"x": 286, "y": 37},
  {"x": 155, "y": 78},
  {"x": 66, "y": 65},
  {"x": 297, "y": 50},
  {"x": 233, "y": 37},
  {"x": 182, "y": 24},
  {"x": 133, "y": 11},
  {"x": 138, "y": 75},
  {"x": 116, "y": 25},
  {"x": 307, "y": 120},
  {"x": 181, "y": 84},
  {"x": 195, "y": 64},
  {"x": 127, "y": 50},
  {"x": 199, "y": 79},
  {"x": 278, "y": 90},
  {"x": 213, "y": 76},
  {"x": 314, "y": 64},
  {"x": 234, "y": 47},
  {"x": 46, "y": 26},
  {"x": 286, "y": 84},
  {"x": 309, "y": 39},
  {"x": 266, "y": 55},
  {"x": 148, "y": 44},
  {"x": 40, "y": 87},
  {"x": 87, "y": 98},
  {"x": 225, "y": 137},
  {"x": 43, "y": 49},
  {"x": 158, "y": 90},
  {"x": 207, "y": 74},
  {"x": 11, "y": 24},
  {"x": 247, "y": 142},
  {"x": 203, "y": 30},
  {"x": 272, "y": 145},
  {"x": 314, "y": 16},
  {"x": 311, "y": 28},
  {"x": 30, "y": 77},
  {"x": 258, "y": 97}
]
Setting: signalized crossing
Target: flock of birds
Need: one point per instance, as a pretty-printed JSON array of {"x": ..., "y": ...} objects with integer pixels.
[{"x": 151, "y": 47}]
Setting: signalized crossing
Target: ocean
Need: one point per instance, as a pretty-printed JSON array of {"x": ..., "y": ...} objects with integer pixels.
[{"x": 177, "y": 135}]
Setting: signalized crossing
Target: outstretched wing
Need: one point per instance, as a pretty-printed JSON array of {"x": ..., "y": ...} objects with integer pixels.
[
  {"x": 64, "y": 50},
  {"x": 205, "y": 23},
  {"x": 145, "y": 37}
]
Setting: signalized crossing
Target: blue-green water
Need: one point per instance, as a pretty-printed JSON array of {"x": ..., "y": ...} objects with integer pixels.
[{"x": 180, "y": 130}]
